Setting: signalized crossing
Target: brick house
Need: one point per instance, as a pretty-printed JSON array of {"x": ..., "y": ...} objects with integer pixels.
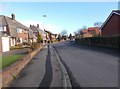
[
  {"x": 37, "y": 31},
  {"x": 32, "y": 37},
  {"x": 94, "y": 31},
  {"x": 50, "y": 36},
  {"x": 91, "y": 32},
  {"x": 111, "y": 26},
  {"x": 16, "y": 32}
]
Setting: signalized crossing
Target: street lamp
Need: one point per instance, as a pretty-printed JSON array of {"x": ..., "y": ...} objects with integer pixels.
[
  {"x": 43, "y": 21},
  {"x": 44, "y": 34}
]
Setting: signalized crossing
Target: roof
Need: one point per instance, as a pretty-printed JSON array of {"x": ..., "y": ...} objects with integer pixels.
[
  {"x": 94, "y": 30},
  {"x": 31, "y": 35},
  {"x": 84, "y": 31},
  {"x": 114, "y": 12},
  {"x": 12, "y": 25},
  {"x": 49, "y": 32},
  {"x": 35, "y": 29},
  {"x": 11, "y": 22}
]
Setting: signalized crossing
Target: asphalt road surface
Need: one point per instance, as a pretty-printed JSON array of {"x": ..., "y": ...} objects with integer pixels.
[{"x": 89, "y": 66}]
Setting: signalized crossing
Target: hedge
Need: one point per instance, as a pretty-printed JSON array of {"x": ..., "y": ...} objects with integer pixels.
[{"x": 113, "y": 41}]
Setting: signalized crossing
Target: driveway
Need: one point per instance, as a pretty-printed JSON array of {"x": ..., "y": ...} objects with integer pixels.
[{"x": 23, "y": 51}]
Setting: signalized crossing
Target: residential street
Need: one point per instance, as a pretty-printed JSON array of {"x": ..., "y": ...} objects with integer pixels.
[{"x": 89, "y": 66}]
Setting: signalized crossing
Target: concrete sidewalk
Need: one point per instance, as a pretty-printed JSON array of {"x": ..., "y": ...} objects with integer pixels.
[{"x": 35, "y": 71}]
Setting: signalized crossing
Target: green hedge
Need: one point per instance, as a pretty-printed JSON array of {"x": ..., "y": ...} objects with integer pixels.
[{"x": 113, "y": 41}]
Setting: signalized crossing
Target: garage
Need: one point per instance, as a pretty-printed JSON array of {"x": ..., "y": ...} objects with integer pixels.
[{"x": 4, "y": 44}]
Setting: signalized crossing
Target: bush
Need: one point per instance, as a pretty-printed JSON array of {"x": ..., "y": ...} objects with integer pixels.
[
  {"x": 40, "y": 39},
  {"x": 34, "y": 45},
  {"x": 19, "y": 46},
  {"x": 112, "y": 41}
]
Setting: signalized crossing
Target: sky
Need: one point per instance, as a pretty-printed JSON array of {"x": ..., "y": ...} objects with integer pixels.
[{"x": 60, "y": 16}]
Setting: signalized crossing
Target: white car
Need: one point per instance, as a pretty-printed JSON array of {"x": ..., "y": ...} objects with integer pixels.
[{"x": 72, "y": 40}]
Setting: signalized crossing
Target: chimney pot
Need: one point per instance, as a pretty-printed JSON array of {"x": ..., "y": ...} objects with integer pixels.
[
  {"x": 37, "y": 25},
  {"x": 13, "y": 17}
]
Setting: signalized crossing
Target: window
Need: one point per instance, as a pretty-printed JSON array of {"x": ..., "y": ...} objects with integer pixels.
[
  {"x": 19, "y": 30},
  {"x": 25, "y": 31},
  {"x": 18, "y": 40},
  {"x": 3, "y": 28},
  {"x": 25, "y": 40}
]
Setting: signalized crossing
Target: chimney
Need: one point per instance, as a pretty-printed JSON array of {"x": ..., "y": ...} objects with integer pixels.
[
  {"x": 37, "y": 25},
  {"x": 30, "y": 25},
  {"x": 13, "y": 17}
]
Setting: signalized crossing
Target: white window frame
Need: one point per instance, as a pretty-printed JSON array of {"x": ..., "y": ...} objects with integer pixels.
[
  {"x": 19, "y": 30},
  {"x": 3, "y": 28}
]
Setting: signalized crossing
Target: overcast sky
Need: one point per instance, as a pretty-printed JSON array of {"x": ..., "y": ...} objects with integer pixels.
[{"x": 59, "y": 15}]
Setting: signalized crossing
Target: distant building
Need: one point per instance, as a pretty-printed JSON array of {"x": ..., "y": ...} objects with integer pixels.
[
  {"x": 37, "y": 32},
  {"x": 50, "y": 36},
  {"x": 32, "y": 37},
  {"x": 90, "y": 32},
  {"x": 111, "y": 27}
]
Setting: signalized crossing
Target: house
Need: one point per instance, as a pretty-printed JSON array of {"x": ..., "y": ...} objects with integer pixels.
[
  {"x": 91, "y": 32},
  {"x": 94, "y": 31},
  {"x": 37, "y": 32},
  {"x": 17, "y": 32},
  {"x": 32, "y": 37},
  {"x": 111, "y": 27},
  {"x": 50, "y": 36},
  {"x": 85, "y": 34}
]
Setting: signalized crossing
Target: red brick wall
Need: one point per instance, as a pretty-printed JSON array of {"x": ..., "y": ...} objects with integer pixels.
[
  {"x": 14, "y": 69},
  {"x": 111, "y": 27},
  {"x": 23, "y": 35}
]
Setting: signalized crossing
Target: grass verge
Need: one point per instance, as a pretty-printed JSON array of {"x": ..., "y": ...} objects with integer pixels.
[{"x": 9, "y": 59}]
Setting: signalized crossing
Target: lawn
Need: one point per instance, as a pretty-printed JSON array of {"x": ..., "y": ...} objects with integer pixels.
[{"x": 9, "y": 59}]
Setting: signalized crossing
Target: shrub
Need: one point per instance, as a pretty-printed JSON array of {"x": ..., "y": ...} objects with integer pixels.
[{"x": 112, "y": 41}]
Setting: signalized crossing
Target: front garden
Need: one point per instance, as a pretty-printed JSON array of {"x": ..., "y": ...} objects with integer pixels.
[{"x": 7, "y": 60}]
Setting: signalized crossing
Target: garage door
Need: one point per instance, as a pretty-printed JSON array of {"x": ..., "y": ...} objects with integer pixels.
[{"x": 5, "y": 44}]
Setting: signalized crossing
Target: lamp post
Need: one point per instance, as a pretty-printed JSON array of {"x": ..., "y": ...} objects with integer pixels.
[
  {"x": 44, "y": 21},
  {"x": 44, "y": 34}
]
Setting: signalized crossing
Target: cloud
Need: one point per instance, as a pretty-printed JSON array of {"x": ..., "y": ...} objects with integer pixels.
[{"x": 56, "y": 29}]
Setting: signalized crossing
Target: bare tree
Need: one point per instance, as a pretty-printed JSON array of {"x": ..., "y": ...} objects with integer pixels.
[
  {"x": 98, "y": 24},
  {"x": 64, "y": 34}
]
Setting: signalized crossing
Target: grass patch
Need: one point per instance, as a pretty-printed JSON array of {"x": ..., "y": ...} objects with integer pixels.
[{"x": 9, "y": 59}]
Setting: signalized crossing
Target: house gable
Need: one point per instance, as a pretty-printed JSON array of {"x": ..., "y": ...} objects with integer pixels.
[{"x": 111, "y": 25}]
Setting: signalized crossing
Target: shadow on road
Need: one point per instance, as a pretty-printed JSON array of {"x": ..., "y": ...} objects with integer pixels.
[{"x": 106, "y": 50}]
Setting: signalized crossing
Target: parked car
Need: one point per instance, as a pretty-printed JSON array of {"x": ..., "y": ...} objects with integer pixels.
[{"x": 72, "y": 40}]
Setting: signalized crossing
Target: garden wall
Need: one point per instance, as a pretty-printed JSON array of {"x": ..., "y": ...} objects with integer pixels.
[{"x": 9, "y": 73}]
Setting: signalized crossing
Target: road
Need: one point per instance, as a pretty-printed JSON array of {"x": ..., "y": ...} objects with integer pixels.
[{"x": 89, "y": 66}]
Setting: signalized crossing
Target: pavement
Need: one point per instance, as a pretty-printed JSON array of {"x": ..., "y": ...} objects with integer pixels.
[
  {"x": 42, "y": 71},
  {"x": 89, "y": 66}
]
